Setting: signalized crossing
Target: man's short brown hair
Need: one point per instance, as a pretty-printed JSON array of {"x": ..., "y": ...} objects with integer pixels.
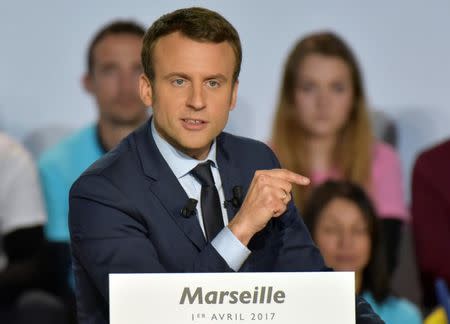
[
  {"x": 114, "y": 28},
  {"x": 196, "y": 23}
]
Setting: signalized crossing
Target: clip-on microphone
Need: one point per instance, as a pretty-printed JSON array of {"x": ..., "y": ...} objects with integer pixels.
[
  {"x": 189, "y": 209},
  {"x": 236, "y": 201}
]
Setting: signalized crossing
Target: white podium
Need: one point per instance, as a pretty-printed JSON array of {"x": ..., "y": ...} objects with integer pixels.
[{"x": 257, "y": 298}]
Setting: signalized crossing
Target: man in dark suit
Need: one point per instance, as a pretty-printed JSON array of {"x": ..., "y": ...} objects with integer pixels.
[{"x": 134, "y": 210}]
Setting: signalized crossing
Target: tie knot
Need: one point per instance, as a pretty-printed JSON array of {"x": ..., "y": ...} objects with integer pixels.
[{"x": 202, "y": 172}]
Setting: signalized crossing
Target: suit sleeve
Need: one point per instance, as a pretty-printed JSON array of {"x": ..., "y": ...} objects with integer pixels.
[
  {"x": 296, "y": 251},
  {"x": 108, "y": 235}
]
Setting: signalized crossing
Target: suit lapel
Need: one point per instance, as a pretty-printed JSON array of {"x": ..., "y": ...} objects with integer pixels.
[
  {"x": 165, "y": 186},
  {"x": 229, "y": 174}
]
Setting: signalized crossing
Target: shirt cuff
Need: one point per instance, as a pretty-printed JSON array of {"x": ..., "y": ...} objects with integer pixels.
[{"x": 230, "y": 248}]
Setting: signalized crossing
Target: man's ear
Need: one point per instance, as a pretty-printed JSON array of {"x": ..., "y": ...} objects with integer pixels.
[
  {"x": 88, "y": 83},
  {"x": 145, "y": 90},
  {"x": 234, "y": 93}
]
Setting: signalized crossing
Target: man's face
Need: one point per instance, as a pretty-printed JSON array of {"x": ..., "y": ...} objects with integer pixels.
[
  {"x": 113, "y": 80},
  {"x": 192, "y": 92}
]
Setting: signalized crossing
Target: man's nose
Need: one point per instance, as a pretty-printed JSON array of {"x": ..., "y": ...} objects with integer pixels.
[{"x": 196, "y": 99}]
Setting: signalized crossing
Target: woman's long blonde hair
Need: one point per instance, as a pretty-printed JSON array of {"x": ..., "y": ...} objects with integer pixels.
[{"x": 353, "y": 152}]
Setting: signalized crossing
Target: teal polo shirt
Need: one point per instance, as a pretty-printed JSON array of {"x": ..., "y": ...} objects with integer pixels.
[{"x": 59, "y": 167}]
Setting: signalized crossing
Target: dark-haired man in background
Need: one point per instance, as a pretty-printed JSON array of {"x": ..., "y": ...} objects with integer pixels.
[{"x": 129, "y": 211}]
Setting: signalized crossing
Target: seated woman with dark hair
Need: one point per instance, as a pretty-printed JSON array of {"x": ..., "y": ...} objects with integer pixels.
[{"x": 344, "y": 225}]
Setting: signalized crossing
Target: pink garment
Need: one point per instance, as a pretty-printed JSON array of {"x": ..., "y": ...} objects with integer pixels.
[{"x": 386, "y": 180}]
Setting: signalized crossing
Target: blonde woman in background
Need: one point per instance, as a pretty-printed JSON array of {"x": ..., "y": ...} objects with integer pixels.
[{"x": 322, "y": 130}]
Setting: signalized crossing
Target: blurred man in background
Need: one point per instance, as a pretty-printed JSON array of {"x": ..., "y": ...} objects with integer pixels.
[{"x": 113, "y": 70}]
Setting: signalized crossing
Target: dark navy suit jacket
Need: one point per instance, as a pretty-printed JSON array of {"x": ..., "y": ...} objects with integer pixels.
[{"x": 125, "y": 217}]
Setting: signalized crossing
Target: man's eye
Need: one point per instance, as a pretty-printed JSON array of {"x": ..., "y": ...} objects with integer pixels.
[
  {"x": 178, "y": 82},
  {"x": 108, "y": 70},
  {"x": 213, "y": 84}
]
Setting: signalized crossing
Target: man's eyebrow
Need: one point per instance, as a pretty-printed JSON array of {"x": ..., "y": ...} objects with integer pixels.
[
  {"x": 176, "y": 74},
  {"x": 218, "y": 76},
  {"x": 107, "y": 64}
]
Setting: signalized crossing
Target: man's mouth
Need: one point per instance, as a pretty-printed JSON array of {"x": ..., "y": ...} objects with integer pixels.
[{"x": 193, "y": 121}]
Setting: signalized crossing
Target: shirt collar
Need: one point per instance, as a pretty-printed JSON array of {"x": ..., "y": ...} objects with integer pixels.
[{"x": 180, "y": 163}]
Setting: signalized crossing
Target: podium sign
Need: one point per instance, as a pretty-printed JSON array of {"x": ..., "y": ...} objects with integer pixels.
[{"x": 204, "y": 298}]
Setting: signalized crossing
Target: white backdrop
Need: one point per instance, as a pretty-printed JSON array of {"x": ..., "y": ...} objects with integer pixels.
[{"x": 403, "y": 47}]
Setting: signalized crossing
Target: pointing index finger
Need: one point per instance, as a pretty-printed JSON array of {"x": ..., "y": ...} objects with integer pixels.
[{"x": 291, "y": 176}]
